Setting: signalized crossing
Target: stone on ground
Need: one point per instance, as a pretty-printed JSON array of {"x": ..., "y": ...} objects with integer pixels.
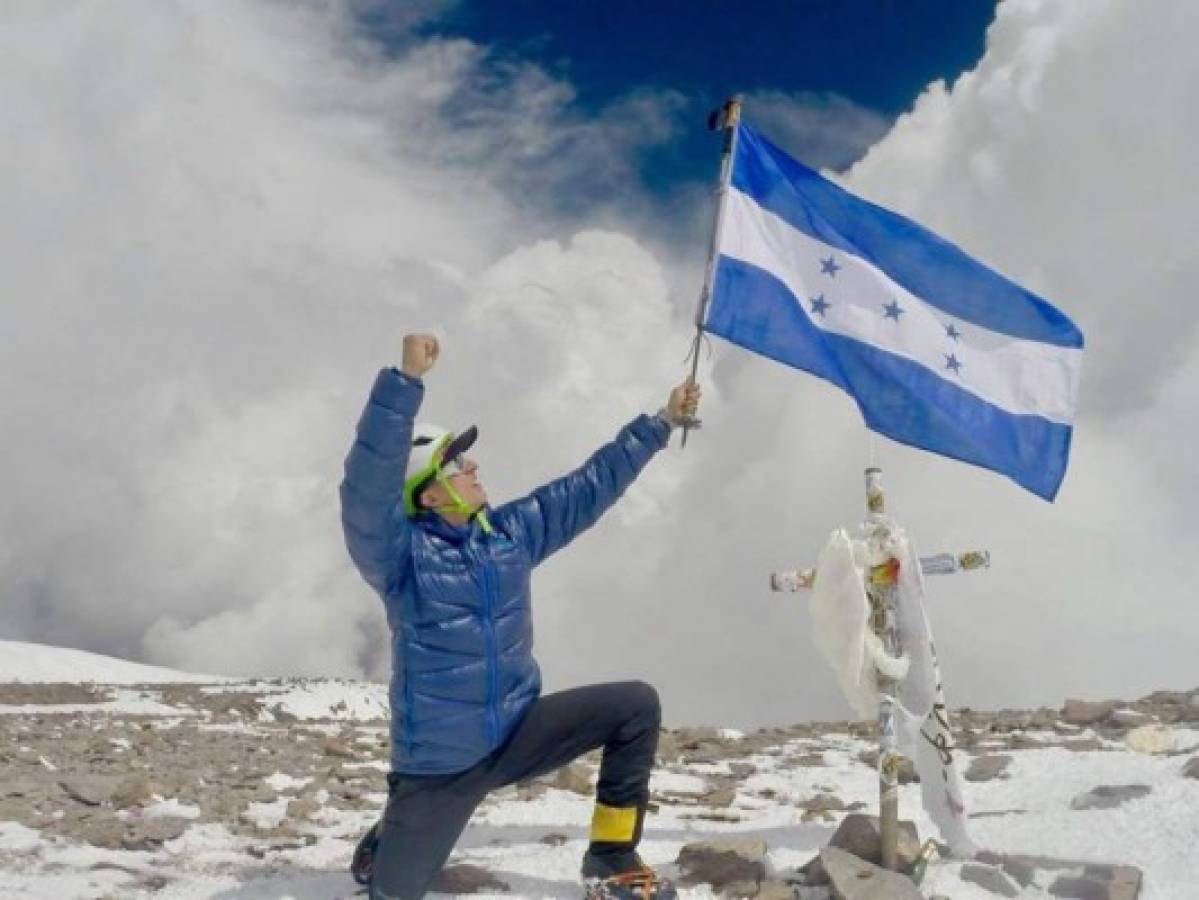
[
  {"x": 723, "y": 863},
  {"x": 1087, "y": 712},
  {"x": 859, "y": 834},
  {"x": 989, "y": 878},
  {"x": 985, "y": 768},
  {"x": 855, "y": 879},
  {"x": 1109, "y": 796}
]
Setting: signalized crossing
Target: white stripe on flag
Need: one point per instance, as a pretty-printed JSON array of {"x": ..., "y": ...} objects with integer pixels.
[{"x": 1019, "y": 376}]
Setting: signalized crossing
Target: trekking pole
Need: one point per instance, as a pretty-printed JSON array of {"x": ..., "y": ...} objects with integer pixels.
[{"x": 725, "y": 119}]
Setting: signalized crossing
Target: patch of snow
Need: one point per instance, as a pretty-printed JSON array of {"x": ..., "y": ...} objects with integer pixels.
[
  {"x": 267, "y": 814},
  {"x": 209, "y": 841},
  {"x": 172, "y": 807},
  {"x": 42, "y": 663},
  {"x": 281, "y": 781},
  {"x": 16, "y": 838},
  {"x": 352, "y": 701},
  {"x": 125, "y": 700},
  {"x": 377, "y": 764},
  {"x": 676, "y": 783}
]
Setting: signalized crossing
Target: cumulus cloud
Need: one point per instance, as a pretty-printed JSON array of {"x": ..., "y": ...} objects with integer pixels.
[{"x": 221, "y": 217}]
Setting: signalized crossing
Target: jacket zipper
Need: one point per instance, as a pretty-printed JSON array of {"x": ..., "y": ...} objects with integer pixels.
[{"x": 492, "y": 660}]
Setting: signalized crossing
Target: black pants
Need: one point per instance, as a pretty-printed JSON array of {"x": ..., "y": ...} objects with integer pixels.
[{"x": 425, "y": 814}]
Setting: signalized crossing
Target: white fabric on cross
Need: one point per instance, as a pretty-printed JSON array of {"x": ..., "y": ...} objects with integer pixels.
[{"x": 840, "y": 615}]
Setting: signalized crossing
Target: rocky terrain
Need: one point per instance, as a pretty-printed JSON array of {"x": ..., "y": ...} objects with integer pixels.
[{"x": 261, "y": 789}]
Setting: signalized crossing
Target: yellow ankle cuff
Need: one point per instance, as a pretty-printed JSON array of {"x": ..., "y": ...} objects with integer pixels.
[{"x": 613, "y": 824}]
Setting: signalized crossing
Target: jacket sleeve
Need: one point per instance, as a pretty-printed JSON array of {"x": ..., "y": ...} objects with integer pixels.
[
  {"x": 377, "y": 531},
  {"x": 554, "y": 514}
]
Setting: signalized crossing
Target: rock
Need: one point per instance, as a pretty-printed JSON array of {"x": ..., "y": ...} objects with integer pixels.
[
  {"x": 463, "y": 878},
  {"x": 1082, "y": 745},
  {"x": 91, "y": 790},
  {"x": 721, "y": 795},
  {"x": 1097, "y": 880},
  {"x": 822, "y": 803},
  {"x": 1191, "y": 768},
  {"x": 531, "y": 790},
  {"x": 668, "y": 747},
  {"x": 742, "y": 770},
  {"x": 855, "y": 879},
  {"x": 1042, "y": 718},
  {"x": 808, "y": 760},
  {"x": 1087, "y": 712},
  {"x": 106, "y": 833},
  {"x": 23, "y": 788},
  {"x": 1079, "y": 888},
  {"x": 1024, "y": 872},
  {"x": 692, "y": 737},
  {"x": 740, "y": 890},
  {"x": 714, "y": 815},
  {"x": 1151, "y": 739},
  {"x": 152, "y": 882},
  {"x": 132, "y": 790},
  {"x": 775, "y": 890},
  {"x": 1024, "y": 742},
  {"x": 1125, "y": 883},
  {"x": 1109, "y": 796},
  {"x": 1129, "y": 718},
  {"x": 859, "y": 834},
  {"x": 302, "y": 808},
  {"x": 335, "y": 748},
  {"x": 985, "y": 768},
  {"x": 989, "y": 878},
  {"x": 1168, "y": 698},
  {"x": 575, "y": 778},
  {"x": 721, "y": 863},
  {"x": 150, "y": 834}
]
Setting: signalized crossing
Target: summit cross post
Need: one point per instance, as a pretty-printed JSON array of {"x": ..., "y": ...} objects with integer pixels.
[
  {"x": 880, "y": 591},
  {"x": 880, "y": 583}
]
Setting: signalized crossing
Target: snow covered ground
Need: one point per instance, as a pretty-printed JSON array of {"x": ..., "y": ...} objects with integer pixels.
[
  {"x": 33, "y": 663},
  {"x": 186, "y": 787}
]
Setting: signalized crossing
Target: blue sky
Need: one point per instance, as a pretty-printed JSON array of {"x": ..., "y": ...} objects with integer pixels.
[{"x": 863, "y": 58}]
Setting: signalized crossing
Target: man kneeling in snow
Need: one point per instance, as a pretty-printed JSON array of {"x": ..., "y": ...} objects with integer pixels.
[{"x": 467, "y": 715}]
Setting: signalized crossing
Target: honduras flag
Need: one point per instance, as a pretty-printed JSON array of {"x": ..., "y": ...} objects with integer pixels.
[{"x": 937, "y": 350}]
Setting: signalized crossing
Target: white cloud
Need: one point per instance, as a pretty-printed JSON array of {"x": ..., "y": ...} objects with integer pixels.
[{"x": 221, "y": 217}]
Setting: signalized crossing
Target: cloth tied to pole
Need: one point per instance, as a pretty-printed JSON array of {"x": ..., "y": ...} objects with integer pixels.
[{"x": 841, "y": 615}]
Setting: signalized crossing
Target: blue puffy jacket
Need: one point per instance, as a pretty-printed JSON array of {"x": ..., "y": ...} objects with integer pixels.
[{"x": 457, "y": 598}]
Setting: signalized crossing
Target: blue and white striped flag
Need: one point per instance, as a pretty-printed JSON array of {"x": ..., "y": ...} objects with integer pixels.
[{"x": 938, "y": 351}]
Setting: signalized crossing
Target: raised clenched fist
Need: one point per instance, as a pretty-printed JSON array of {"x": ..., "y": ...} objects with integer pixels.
[{"x": 420, "y": 352}]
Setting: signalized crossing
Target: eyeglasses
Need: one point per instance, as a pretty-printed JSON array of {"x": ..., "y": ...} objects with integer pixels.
[{"x": 459, "y": 465}]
